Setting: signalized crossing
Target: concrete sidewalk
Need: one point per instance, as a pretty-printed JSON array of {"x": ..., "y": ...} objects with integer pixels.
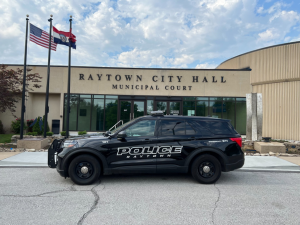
[{"x": 252, "y": 163}]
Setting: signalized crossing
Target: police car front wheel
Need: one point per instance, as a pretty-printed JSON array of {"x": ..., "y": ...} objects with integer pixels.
[
  {"x": 206, "y": 169},
  {"x": 84, "y": 170}
]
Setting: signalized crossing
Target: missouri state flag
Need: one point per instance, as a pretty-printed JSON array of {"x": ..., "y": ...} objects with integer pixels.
[{"x": 64, "y": 38}]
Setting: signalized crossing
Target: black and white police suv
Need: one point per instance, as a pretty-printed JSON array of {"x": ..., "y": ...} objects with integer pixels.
[{"x": 203, "y": 146}]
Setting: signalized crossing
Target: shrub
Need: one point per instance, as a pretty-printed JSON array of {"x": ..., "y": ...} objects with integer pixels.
[
  {"x": 81, "y": 132},
  {"x": 36, "y": 126},
  {"x": 49, "y": 133},
  {"x": 1, "y": 128},
  {"x": 63, "y": 133},
  {"x": 16, "y": 126}
]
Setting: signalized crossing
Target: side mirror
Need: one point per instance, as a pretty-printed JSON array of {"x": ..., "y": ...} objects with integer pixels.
[
  {"x": 107, "y": 133},
  {"x": 121, "y": 135}
]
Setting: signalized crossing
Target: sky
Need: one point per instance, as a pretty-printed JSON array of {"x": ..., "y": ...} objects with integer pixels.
[{"x": 149, "y": 33}]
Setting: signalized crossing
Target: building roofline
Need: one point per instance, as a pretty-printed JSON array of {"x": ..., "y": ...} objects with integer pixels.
[
  {"x": 130, "y": 68},
  {"x": 272, "y": 46}
]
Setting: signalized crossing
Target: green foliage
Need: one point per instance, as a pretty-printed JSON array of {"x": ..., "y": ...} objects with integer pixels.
[
  {"x": 81, "y": 132},
  {"x": 1, "y": 128},
  {"x": 63, "y": 133},
  {"x": 16, "y": 126},
  {"x": 32, "y": 133},
  {"x": 11, "y": 86},
  {"x": 36, "y": 126},
  {"x": 5, "y": 138},
  {"x": 49, "y": 133}
]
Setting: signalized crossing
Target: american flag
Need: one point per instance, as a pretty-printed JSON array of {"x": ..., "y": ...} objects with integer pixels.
[{"x": 41, "y": 37}]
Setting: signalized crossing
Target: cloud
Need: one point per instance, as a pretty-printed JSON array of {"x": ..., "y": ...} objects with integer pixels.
[
  {"x": 269, "y": 34},
  {"x": 149, "y": 33},
  {"x": 206, "y": 66}
]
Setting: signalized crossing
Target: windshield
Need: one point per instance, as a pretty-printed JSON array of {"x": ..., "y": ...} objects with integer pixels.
[{"x": 120, "y": 127}]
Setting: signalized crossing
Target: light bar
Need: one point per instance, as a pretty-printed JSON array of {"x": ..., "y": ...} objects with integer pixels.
[{"x": 157, "y": 113}]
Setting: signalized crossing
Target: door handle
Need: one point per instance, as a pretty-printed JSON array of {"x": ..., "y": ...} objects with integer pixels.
[
  {"x": 191, "y": 138},
  {"x": 147, "y": 139}
]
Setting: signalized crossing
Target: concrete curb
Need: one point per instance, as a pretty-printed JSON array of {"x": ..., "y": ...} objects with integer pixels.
[{"x": 267, "y": 170}]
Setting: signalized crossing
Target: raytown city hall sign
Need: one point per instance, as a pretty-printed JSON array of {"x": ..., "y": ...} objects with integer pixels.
[{"x": 119, "y": 81}]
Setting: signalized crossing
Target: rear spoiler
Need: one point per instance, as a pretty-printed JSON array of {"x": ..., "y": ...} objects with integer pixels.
[{"x": 52, "y": 152}]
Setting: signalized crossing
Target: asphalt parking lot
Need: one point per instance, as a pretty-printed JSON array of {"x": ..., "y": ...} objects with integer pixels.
[{"x": 41, "y": 196}]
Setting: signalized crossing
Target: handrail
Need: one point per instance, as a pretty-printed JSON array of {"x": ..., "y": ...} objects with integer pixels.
[{"x": 115, "y": 126}]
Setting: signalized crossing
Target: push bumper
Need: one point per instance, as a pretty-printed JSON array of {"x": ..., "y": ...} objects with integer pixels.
[
  {"x": 58, "y": 167},
  {"x": 53, "y": 150}
]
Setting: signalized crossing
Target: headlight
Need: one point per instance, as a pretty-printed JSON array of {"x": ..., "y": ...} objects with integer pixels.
[{"x": 69, "y": 143}]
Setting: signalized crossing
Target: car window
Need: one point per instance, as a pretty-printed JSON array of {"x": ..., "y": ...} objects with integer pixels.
[
  {"x": 189, "y": 129},
  {"x": 141, "y": 128},
  {"x": 172, "y": 127},
  {"x": 218, "y": 127},
  {"x": 122, "y": 126}
]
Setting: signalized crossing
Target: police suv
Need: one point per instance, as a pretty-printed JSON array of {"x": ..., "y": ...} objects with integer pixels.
[{"x": 203, "y": 146}]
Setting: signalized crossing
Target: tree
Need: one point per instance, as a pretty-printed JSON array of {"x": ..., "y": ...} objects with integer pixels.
[{"x": 11, "y": 83}]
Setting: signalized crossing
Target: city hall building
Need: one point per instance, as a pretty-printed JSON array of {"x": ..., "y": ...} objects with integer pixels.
[{"x": 102, "y": 96}]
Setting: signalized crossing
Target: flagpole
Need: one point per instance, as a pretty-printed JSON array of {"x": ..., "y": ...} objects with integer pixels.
[
  {"x": 69, "y": 80},
  {"x": 48, "y": 80},
  {"x": 24, "y": 81}
]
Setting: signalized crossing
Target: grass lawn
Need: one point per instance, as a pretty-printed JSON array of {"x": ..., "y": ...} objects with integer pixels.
[{"x": 5, "y": 138}]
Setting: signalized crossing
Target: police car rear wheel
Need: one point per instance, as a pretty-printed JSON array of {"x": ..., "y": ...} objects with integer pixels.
[
  {"x": 206, "y": 169},
  {"x": 84, "y": 170}
]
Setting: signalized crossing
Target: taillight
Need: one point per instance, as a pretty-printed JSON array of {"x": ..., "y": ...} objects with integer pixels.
[{"x": 237, "y": 140}]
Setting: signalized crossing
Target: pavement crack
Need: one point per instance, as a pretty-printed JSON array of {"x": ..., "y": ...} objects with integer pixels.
[
  {"x": 216, "y": 204},
  {"x": 38, "y": 195},
  {"x": 96, "y": 200}
]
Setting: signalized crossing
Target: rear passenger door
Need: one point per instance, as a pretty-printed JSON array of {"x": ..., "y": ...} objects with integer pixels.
[{"x": 176, "y": 139}]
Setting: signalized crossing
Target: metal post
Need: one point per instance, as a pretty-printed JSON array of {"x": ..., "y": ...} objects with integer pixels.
[
  {"x": 48, "y": 80},
  {"x": 24, "y": 81},
  {"x": 69, "y": 81}
]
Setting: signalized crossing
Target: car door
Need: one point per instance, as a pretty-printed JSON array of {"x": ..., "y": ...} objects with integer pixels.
[
  {"x": 134, "y": 152},
  {"x": 177, "y": 137}
]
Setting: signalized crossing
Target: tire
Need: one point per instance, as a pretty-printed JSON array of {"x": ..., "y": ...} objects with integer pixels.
[
  {"x": 84, "y": 170},
  {"x": 205, "y": 175}
]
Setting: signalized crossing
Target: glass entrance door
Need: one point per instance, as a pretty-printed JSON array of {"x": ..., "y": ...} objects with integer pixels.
[
  {"x": 169, "y": 108},
  {"x": 138, "y": 109},
  {"x": 162, "y": 106},
  {"x": 125, "y": 114},
  {"x": 174, "y": 108},
  {"x": 131, "y": 110}
]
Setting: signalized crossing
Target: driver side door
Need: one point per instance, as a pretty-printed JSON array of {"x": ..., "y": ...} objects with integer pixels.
[{"x": 134, "y": 153}]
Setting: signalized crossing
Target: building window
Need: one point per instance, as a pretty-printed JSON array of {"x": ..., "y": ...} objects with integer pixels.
[
  {"x": 202, "y": 108},
  {"x": 111, "y": 113},
  {"x": 84, "y": 113},
  {"x": 241, "y": 115},
  {"x": 229, "y": 109},
  {"x": 97, "y": 114},
  {"x": 215, "y": 107},
  {"x": 189, "y": 108}
]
